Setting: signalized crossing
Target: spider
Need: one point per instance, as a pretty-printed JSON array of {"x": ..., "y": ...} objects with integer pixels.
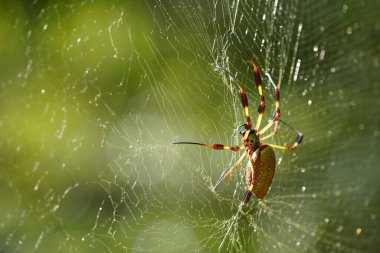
[{"x": 261, "y": 158}]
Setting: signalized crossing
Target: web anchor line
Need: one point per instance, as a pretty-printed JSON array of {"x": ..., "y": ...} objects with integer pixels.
[{"x": 235, "y": 217}]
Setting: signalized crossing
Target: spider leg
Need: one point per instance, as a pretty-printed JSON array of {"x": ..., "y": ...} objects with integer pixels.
[
  {"x": 226, "y": 175},
  {"x": 275, "y": 131},
  {"x": 278, "y": 113},
  {"x": 214, "y": 146},
  {"x": 258, "y": 83},
  {"x": 262, "y": 99},
  {"x": 244, "y": 99},
  {"x": 296, "y": 143},
  {"x": 250, "y": 189}
]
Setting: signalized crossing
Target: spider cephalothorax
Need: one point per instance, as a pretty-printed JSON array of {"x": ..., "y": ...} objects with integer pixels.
[
  {"x": 262, "y": 162},
  {"x": 252, "y": 140},
  {"x": 249, "y": 137}
]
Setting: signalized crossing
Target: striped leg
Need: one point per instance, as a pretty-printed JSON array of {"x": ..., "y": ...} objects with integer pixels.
[
  {"x": 248, "y": 195},
  {"x": 244, "y": 99},
  {"x": 258, "y": 83},
  {"x": 262, "y": 99},
  {"x": 278, "y": 113},
  {"x": 250, "y": 189},
  {"x": 275, "y": 131},
  {"x": 296, "y": 143},
  {"x": 214, "y": 146},
  {"x": 228, "y": 173}
]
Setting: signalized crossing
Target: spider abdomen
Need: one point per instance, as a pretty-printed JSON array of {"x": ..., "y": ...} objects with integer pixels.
[{"x": 263, "y": 168}]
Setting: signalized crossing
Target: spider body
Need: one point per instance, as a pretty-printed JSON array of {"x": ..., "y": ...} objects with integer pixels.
[
  {"x": 263, "y": 161},
  {"x": 264, "y": 167},
  {"x": 252, "y": 141},
  {"x": 261, "y": 158}
]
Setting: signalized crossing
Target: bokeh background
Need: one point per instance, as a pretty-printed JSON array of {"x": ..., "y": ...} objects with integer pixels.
[{"x": 93, "y": 93}]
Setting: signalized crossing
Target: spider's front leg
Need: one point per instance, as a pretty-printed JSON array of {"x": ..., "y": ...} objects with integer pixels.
[
  {"x": 257, "y": 80},
  {"x": 276, "y": 121},
  {"x": 244, "y": 100},
  {"x": 277, "y": 115},
  {"x": 213, "y": 146},
  {"x": 296, "y": 143}
]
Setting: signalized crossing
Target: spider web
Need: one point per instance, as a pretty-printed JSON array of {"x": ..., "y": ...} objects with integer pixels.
[{"x": 93, "y": 93}]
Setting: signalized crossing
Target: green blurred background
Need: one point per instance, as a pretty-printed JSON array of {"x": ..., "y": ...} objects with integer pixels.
[{"x": 93, "y": 93}]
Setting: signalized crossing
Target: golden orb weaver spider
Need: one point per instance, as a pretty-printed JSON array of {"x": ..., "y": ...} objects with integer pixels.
[{"x": 262, "y": 162}]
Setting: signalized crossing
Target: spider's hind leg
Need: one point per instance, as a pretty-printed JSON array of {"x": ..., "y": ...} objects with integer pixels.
[
  {"x": 253, "y": 179},
  {"x": 228, "y": 173}
]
